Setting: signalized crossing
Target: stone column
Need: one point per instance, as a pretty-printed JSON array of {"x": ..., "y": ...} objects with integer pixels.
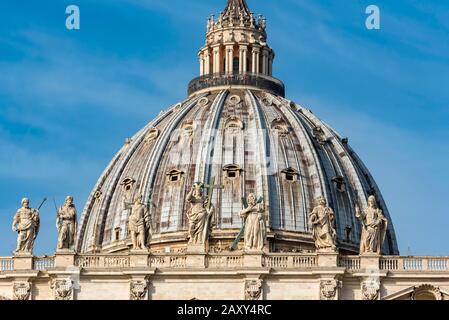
[
  {"x": 243, "y": 67},
  {"x": 229, "y": 58},
  {"x": 265, "y": 61},
  {"x": 256, "y": 55},
  {"x": 216, "y": 59},
  {"x": 270, "y": 65},
  {"x": 201, "y": 58},
  {"x": 206, "y": 62}
]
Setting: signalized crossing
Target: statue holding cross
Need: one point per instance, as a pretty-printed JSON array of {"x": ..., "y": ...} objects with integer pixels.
[{"x": 200, "y": 213}]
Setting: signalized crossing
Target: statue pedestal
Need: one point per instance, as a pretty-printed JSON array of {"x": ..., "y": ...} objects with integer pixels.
[
  {"x": 138, "y": 258},
  {"x": 23, "y": 261},
  {"x": 252, "y": 259},
  {"x": 196, "y": 260},
  {"x": 64, "y": 258},
  {"x": 327, "y": 258},
  {"x": 196, "y": 248},
  {"x": 369, "y": 261}
]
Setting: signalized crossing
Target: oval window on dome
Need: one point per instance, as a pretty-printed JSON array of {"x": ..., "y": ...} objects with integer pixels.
[
  {"x": 127, "y": 184},
  {"x": 234, "y": 100},
  {"x": 152, "y": 134},
  {"x": 203, "y": 102}
]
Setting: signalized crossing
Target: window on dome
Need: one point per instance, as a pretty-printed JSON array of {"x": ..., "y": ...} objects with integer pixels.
[
  {"x": 127, "y": 184},
  {"x": 117, "y": 233},
  {"x": 340, "y": 183},
  {"x": 174, "y": 176},
  {"x": 290, "y": 174},
  {"x": 232, "y": 171}
]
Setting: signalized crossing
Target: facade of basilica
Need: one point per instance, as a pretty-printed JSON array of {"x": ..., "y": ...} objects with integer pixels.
[{"x": 234, "y": 193}]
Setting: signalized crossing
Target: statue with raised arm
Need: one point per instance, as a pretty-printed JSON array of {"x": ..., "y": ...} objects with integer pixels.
[
  {"x": 138, "y": 223},
  {"x": 253, "y": 218},
  {"x": 199, "y": 215},
  {"x": 322, "y": 221},
  {"x": 66, "y": 225},
  {"x": 374, "y": 227},
  {"x": 26, "y": 222}
]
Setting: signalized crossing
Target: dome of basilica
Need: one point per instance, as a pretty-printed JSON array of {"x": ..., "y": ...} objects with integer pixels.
[{"x": 236, "y": 134}]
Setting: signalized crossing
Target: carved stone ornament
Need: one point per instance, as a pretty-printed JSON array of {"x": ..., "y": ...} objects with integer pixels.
[
  {"x": 253, "y": 289},
  {"x": 62, "y": 289},
  {"x": 370, "y": 290},
  {"x": 328, "y": 289},
  {"x": 427, "y": 292},
  {"x": 203, "y": 102},
  {"x": 138, "y": 290},
  {"x": 21, "y": 291}
]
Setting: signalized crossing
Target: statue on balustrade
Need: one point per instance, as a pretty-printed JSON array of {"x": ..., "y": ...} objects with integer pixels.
[
  {"x": 199, "y": 215},
  {"x": 66, "y": 225},
  {"x": 322, "y": 221},
  {"x": 374, "y": 227},
  {"x": 26, "y": 222},
  {"x": 254, "y": 222},
  {"x": 139, "y": 223}
]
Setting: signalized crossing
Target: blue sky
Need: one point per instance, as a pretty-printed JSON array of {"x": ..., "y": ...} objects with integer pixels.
[{"x": 68, "y": 99}]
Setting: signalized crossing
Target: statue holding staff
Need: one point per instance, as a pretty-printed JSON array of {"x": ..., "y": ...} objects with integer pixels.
[{"x": 26, "y": 222}]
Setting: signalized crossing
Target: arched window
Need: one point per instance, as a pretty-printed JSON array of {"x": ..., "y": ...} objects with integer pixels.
[{"x": 235, "y": 65}]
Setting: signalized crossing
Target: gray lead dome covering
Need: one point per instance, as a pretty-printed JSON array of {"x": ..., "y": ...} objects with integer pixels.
[{"x": 245, "y": 141}]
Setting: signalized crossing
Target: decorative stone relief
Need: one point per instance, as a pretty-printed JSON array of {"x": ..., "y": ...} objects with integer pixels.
[
  {"x": 233, "y": 124},
  {"x": 21, "y": 290},
  {"x": 328, "y": 289},
  {"x": 370, "y": 289},
  {"x": 320, "y": 135},
  {"x": 427, "y": 292},
  {"x": 234, "y": 100},
  {"x": 203, "y": 102},
  {"x": 267, "y": 100},
  {"x": 138, "y": 290},
  {"x": 152, "y": 135},
  {"x": 280, "y": 127},
  {"x": 62, "y": 289},
  {"x": 253, "y": 290}
]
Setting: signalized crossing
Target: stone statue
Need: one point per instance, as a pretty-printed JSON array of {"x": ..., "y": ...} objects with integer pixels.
[
  {"x": 374, "y": 227},
  {"x": 26, "y": 222},
  {"x": 253, "y": 217},
  {"x": 199, "y": 215},
  {"x": 322, "y": 221},
  {"x": 139, "y": 223},
  {"x": 66, "y": 225}
]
